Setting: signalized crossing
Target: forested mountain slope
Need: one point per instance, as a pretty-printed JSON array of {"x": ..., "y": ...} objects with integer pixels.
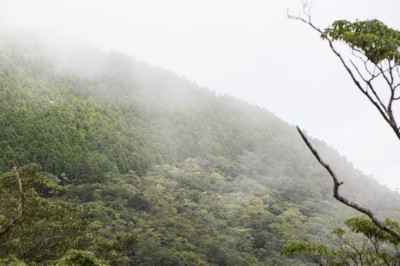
[{"x": 156, "y": 170}]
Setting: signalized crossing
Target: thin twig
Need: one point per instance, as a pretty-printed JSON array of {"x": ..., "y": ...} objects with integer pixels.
[{"x": 369, "y": 85}]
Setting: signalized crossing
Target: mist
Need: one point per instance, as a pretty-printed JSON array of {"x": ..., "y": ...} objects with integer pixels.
[
  {"x": 248, "y": 50},
  {"x": 163, "y": 133}
]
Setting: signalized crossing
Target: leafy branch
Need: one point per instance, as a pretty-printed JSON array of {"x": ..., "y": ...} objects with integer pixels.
[{"x": 377, "y": 48}]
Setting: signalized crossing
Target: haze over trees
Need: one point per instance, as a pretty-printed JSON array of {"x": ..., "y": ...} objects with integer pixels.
[{"x": 109, "y": 161}]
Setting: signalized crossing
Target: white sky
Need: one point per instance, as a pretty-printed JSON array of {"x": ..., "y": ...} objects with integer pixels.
[{"x": 248, "y": 49}]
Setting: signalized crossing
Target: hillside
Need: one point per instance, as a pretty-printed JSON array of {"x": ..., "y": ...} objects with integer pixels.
[{"x": 154, "y": 169}]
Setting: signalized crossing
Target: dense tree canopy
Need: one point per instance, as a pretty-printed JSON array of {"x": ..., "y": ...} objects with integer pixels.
[{"x": 145, "y": 168}]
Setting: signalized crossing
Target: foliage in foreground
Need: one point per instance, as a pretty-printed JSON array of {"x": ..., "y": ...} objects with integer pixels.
[{"x": 360, "y": 243}]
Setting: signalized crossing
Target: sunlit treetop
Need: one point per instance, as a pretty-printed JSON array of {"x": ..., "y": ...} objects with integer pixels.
[{"x": 372, "y": 37}]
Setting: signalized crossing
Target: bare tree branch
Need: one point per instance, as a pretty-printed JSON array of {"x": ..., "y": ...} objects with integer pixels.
[
  {"x": 336, "y": 194},
  {"x": 365, "y": 63},
  {"x": 369, "y": 86},
  {"x": 21, "y": 206}
]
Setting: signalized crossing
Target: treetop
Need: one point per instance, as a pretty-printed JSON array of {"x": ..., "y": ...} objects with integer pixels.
[{"x": 372, "y": 37}]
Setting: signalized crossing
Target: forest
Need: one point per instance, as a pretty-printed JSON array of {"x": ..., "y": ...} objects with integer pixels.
[{"x": 106, "y": 160}]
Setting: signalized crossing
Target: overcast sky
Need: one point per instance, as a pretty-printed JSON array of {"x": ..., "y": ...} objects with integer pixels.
[{"x": 248, "y": 49}]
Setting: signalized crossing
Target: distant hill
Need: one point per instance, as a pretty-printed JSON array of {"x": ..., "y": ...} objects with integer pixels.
[{"x": 193, "y": 177}]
